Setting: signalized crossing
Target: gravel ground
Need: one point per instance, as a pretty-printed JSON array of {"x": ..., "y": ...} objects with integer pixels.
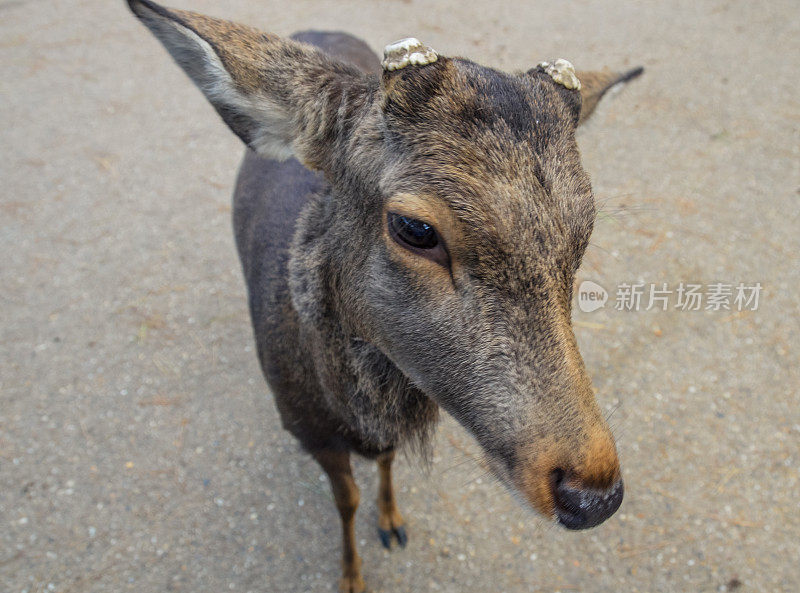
[{"x": 139, "y": 447}]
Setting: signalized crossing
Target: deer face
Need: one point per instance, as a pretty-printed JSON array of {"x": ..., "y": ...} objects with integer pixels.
[
  {"x": 458, "y": 217},
  {"x": 484, "y": 216}
]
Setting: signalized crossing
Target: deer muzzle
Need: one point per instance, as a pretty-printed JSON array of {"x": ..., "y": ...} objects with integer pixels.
[{"x": 578, "y": 486}]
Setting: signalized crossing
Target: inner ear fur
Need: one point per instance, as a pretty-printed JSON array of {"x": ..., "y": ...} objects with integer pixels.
[{"x": 281, "y": 97}]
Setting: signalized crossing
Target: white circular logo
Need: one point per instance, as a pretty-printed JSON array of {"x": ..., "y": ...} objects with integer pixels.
[{"x": 591, "y": 296}]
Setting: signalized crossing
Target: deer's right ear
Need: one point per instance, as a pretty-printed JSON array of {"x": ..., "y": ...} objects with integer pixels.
[{"x": 280, "y": 97}]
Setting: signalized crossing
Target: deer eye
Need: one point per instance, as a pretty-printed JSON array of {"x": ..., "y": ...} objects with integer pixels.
[
  {"x": 418, "y": 237},
  {"x": 413, "y": 232}
]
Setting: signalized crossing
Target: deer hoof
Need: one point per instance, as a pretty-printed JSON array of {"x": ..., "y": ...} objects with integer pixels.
[
  {"x": 398, "y": 532},
  {"x": 401, "y": 535}
]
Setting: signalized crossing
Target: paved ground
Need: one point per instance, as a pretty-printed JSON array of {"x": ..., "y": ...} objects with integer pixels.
[{"x": 139, "y": 448}]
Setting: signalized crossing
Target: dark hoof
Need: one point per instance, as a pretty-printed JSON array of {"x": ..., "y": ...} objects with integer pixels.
[
  {"x": 398, "y": 532},
  {"x": 386, "y": 538},
  {"x": 402, "y": 537}
]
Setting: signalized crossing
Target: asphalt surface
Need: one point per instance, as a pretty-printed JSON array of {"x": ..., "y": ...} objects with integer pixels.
[{"x": 139, "y": 447}]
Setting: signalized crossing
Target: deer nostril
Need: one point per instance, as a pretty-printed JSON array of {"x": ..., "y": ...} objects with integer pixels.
[
  {"x": 556, "y": 477},
  {"x": 578, "y": 507}
]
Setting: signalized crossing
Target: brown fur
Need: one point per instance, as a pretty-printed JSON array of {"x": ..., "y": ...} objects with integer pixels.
[{"x": 362, "y": 340}]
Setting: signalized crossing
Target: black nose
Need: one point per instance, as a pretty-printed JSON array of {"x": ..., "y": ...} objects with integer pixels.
[{"x": 582, "y": 508}]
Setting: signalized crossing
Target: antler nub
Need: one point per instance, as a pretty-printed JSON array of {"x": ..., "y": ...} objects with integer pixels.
[
  {"x": 563, "y": 72},
  {"x": 407, "y": 51}
]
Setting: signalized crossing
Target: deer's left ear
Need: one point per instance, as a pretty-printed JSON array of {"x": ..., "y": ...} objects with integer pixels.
[
  {"x": 595, "y": 84},
  {"x": 587, "y": 87},
  {"x": 280, "y": 97}
]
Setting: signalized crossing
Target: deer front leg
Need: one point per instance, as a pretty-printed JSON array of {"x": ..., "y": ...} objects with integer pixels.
[
  {"x": 345, "y": 491},
  {"x": 390, "y": 522}
]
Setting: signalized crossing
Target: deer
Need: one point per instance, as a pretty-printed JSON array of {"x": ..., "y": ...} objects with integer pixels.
[{"x": 409, "y": 231}]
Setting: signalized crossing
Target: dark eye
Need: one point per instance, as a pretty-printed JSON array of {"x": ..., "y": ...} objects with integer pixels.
[
  {"x": 412, "y": 231},
  {"x": 418, "y": 237}
]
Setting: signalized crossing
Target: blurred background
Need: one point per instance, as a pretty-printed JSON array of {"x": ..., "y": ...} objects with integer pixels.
[{"x": 139, "y": 447}]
